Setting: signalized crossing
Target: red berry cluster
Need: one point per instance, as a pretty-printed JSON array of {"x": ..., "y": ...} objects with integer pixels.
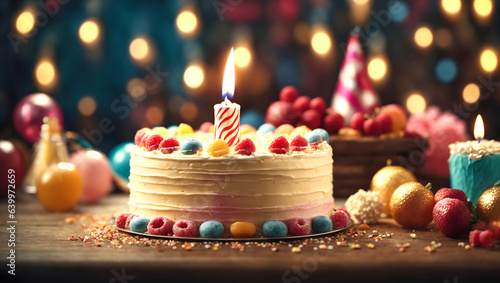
[
  {"x": 152, "y": 141},
  {"x": 452, "y": 217},
  {"x": 371, "y": 125},
  {"x": 299, "y": 110}
]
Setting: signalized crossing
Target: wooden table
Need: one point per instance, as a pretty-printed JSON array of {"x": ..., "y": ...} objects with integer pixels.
[{"x": 44, "y": 254}]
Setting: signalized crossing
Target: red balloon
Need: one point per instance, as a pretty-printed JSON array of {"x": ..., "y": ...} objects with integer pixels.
[
  {"x": 29, "y": 113},
  {"x": 12, "y": 167}
]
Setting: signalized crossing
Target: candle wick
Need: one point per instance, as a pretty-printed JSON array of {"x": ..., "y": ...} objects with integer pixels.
[{"x": 479, "y": 140}]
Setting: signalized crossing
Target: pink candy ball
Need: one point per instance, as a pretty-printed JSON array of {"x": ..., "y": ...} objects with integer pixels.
[
  {"x": 29, "y": 113},
  {"x": 96, "y": 174}
]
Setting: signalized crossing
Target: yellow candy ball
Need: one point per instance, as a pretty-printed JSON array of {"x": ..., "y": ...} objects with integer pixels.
[
  {"x": 247, "y": 129},
  {"x": 162, "y": 131},
  {"x": 59, "y": 187},
  {"x": 284, "y": 129},
  {"x": 242, "y": 229},
  {"x": 300, "y": 131},
  {"x": 184, "y": 129},
  {"x": 218, "y": 148}
]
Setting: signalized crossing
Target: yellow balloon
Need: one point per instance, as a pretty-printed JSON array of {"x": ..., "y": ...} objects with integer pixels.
[{"x": 59, "y": 187}]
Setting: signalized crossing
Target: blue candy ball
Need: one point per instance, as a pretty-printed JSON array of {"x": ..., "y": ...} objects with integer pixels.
[
  {"x": 274, "y": 229},
  {"x": 119, "y": 157},
  {"x": 266, "y": 128},
  {"x": 191, "y": 146},
  {"x": 312, "y": 137},
  {"x": 211, "y": 229},
  {"x": 139, "y": 224},
  {"x": 321, "y": 224},
  {"x": 322, "y": 133}
]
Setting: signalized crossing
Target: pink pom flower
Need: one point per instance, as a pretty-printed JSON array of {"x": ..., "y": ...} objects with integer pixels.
[{"x": 442, "y": 129}]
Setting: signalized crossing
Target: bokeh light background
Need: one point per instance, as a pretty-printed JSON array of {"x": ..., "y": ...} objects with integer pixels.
[{"x": 148, "y": 63}]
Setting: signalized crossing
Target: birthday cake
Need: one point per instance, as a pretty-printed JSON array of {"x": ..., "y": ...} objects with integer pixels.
[
  {"x": 474, "y": 166},
  {"x": 263, "y": 178}
]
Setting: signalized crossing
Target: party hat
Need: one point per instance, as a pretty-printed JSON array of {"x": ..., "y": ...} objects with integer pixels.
[{"x": 354, "y": 91}]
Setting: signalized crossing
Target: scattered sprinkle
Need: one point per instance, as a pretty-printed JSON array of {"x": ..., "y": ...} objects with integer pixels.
[
  {"x": 413, "y": 235},
  {"x": 69, "y": 220},
  {"x": 370, "y": 246},
  {"x": 461, "y": 244},
  {"x": 468, "y": 247},
  {"x": 296, "y": 250}
]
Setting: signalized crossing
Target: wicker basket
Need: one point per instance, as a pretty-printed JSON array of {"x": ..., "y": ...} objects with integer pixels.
[{"x": 356, "y": 160}]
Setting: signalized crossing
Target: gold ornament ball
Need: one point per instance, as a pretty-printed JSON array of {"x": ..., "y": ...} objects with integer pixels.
[
  {"x": 411, "y": 205},
  {"x": 387, "y": 180},
  {"x": 488, "y": 205}
]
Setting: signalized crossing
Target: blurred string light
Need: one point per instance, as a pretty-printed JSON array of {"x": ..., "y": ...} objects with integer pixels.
[
  {"x": 89, "y": 31},
  {"x": 187, "y": 23},
  {"x": 423, "y": 37},
  {"x": 140, "y": 50},
  {"x": 136, "y": 88},
  {"x": 301, "y": 33},
  {"x": 415, "y": 103},
  {"x": 444, "y": 39},
  {"x": 359, "y": 11},
  {"x": 451, "y": 7},
  {"x": 488, "y": 60},
  {"x": 154, "y": 115},
  {"x": 471, "y": 93},
  {"x": 188, "y": 111},
  {"x": 87, "y": 106},
  {"x": 446, "y": 70},
  {"x": 242, "y": 57},
  {"x": 321, "y": 42},
  {"x": 399, "y": 10},
  {"x": 194, "y": 76},
  {"x": 378, "y": 68},
  {"x": 25, "y": 22},
  {"x": 45, "y": 73},
  {"x": 483, "y": 8}
]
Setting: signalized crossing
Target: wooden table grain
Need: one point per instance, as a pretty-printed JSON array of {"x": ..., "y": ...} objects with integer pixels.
[{"x": 44, "y": 254}]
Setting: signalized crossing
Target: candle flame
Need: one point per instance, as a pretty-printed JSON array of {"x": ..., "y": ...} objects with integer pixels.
[
  {"x": 228, "y": 82},
  {"x": 479, "y": 128}
]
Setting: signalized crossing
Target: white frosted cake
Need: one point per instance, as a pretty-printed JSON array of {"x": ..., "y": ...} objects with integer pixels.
[{"x": 234, "y": 187}]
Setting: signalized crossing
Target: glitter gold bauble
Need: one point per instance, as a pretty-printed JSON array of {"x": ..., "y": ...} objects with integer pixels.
[
  {"x": 387, "y": 180},
  {"x": 411, "y": 205},
  {"x": 488, "y": 205}
]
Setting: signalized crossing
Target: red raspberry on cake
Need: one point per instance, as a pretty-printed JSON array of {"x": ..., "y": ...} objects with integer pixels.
[
  {"x": 298, "y": 226},
  {"x": 121, "y": 219},
  {"x": 160, "y": 225},
  {"x": 138, "y": 136},
  {"x": 153, "y": 142},
  {"x": 340, "y": 219},
  {"x": 185, "y": 228},
  {"x": 299, "y": 143},
  {"x": 168, "y": 145},
  {"x": 144, "y": 139},
  {"x": 245, "y": 147},
  {"x": 279, "y": 145}
]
